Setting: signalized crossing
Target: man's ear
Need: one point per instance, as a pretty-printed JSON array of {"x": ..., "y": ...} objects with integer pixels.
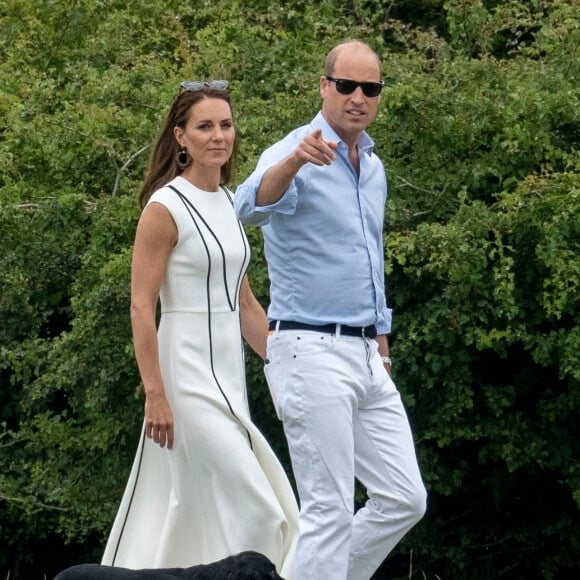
[{"x": 323, "y": 86}]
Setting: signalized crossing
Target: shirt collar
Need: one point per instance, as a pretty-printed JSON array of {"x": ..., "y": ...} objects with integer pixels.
[{"x": 365, "y": 143}]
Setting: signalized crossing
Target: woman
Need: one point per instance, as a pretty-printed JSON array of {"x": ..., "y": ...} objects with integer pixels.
[{"x": 204, "y": 484}]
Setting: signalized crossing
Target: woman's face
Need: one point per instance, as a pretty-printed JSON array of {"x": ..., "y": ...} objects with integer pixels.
[{"x": 209, "y": 134}]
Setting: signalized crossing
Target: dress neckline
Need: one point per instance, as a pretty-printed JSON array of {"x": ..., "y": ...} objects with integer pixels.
[{"x": 190, "y": 185}]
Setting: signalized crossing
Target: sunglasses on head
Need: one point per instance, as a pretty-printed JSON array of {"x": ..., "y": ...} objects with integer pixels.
[
  {"x": 198, "y": 85},
  {"x": 347, "y": 87}
]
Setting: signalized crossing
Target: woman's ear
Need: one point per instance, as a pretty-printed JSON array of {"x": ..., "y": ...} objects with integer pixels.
[{"x": 178, "y": 132}]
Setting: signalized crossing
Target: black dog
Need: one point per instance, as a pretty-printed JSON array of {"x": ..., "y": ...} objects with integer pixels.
[{"x": 243, "y": 566}]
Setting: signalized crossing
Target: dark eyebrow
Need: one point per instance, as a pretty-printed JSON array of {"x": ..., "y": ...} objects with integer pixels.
[{"x": 211, "y": 120}]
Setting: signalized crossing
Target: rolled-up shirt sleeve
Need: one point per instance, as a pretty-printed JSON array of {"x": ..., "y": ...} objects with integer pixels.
[
  {"x": 245, "y": 201},
  {"x": 254, "y": 215},
  {"x": 384, "y": 321}
]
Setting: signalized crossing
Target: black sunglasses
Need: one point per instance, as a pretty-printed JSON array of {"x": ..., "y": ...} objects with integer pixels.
[
  {"x": 198, "y": 85},
  {"x": 346, "y": 87}
]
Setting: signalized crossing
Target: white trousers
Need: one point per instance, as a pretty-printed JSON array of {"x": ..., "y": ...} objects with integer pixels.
[{"x": 343, "y": 418}]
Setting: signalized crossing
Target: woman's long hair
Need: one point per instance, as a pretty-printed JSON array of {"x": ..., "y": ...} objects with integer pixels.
[{"x": 163, "y": 165}]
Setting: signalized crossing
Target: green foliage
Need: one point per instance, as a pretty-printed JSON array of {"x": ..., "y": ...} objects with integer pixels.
[
  {"x": 478, "y": 129},
  {"x": 488, "y": 330}
]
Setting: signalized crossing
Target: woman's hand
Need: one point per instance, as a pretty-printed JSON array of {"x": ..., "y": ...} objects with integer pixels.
[{"x": 159, "y": 421}]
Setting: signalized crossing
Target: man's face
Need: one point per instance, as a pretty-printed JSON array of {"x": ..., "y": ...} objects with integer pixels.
[{"x": 350, "y": 114}]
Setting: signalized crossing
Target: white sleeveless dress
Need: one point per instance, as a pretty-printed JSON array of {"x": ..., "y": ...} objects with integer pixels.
[{"x": 220, "y": 490}]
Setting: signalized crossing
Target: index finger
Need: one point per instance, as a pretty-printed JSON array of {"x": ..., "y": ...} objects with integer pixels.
[
  {"x": 317, "y": 134},
  {"x": 320, "y": 143}
]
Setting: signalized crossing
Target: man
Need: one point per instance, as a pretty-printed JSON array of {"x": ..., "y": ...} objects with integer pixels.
[{"x": 319, "y": 195}]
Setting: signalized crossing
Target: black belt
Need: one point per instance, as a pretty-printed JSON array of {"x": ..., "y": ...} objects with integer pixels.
[{"x": 365, "y": 331}]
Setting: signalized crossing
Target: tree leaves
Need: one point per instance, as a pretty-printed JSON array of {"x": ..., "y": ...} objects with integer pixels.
[{"x": 478, "y": 129}]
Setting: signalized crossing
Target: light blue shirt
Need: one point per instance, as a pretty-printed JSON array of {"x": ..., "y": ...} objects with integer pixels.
[{"x": 323, "y": 238}]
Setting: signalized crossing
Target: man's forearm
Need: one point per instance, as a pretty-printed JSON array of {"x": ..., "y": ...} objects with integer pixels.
[{"x": 277, "y": 180}]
